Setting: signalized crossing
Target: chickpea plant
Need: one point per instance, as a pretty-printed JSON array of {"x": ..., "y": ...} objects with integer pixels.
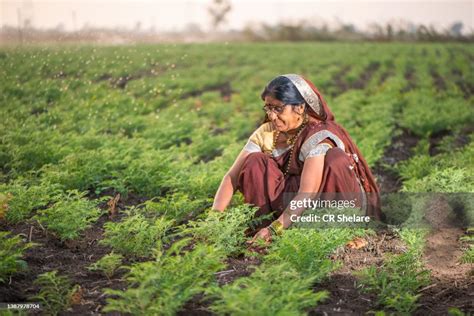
[
  {"x": 276, "y": 289},
  {"x": 55, "y": 292},
  {"x": 176, "y": 206},
  {"x": 396, "y": 282},
  {"x": 108, "y": 264},
  {"x": 468, "y": 255},
  {"x": 225, "y": 230},
  {"x": 310, "y": 255},
  {"x": 162, "y": 286},
  {"x": 136, "y": 235},
  {"x": 24, "y": 199},
  {"x": 69, "y": 216},
  {"x": 11, "y": 252}
]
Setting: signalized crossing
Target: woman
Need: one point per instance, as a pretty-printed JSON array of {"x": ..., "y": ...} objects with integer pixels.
[{"x": 299, "y": 151}]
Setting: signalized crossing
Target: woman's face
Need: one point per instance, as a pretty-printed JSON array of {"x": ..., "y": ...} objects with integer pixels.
[{"x": 290, "y": 118}]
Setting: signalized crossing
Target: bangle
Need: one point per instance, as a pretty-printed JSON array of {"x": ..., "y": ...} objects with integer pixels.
[
  {"x": 272, "y": 230},
  {"x": 276, "y": 227}
]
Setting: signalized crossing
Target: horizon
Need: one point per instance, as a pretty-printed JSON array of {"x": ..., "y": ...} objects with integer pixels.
[{"x": 180, "y": 15}]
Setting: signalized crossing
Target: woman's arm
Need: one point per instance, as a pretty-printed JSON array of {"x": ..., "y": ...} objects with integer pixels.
[
  {"x": 229, "y": 183},
  {"x": 310, "y": 182}
]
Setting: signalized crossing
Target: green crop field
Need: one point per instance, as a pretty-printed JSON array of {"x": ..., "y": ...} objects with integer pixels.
[{"x": 110, "y": 158}]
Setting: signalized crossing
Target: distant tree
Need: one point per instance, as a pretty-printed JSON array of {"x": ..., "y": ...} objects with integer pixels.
[
  {"x": 389, "y": 31},
  {"x": 349, "y": 28},
  {"x": 192, "y": 28},
  {"x": 456, "y": 28},
  {"x": 59, "y": 27},
  {"x": 218, "y": 11},
  {"x": 27, "y": 24},
  {"x": 138, "y": 26}
]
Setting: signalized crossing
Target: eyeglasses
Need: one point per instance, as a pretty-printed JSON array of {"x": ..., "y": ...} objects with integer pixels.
[{"x": 275, "y": 109}]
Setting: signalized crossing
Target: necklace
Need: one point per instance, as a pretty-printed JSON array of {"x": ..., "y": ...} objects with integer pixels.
[{"x": 291, "y": 141}]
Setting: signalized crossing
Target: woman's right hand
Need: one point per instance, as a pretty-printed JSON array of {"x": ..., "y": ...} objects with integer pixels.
[
  {"x": 229, "y": 183},
  {"x": 265, "y": 234}
]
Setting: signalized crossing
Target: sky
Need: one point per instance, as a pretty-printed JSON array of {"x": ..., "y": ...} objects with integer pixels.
[{"x": 174, "y": 15}]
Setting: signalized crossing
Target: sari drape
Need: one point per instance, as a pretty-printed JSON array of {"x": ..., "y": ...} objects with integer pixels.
[{"x": 263, "y": 184}]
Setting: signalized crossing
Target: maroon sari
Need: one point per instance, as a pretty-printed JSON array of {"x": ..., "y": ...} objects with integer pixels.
[{"x": 345, "y": 171}]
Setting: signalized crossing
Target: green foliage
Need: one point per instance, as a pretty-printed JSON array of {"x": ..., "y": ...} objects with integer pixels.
[
  {"x": 87, "y": 169},
  {"x": 454, "y": 311},
  {"x": 416, "y": 167},
  {"x": 11, "y": 252},
  {"x": 374, "y": 114},
  {"x": 69, "y": 216},
  {"x": 30, "y": 149},
  {"x": 224, "y": 230},
  {"x": 427, "y": 114},
  {"x": 177, "y": 206},
  {"x": 10, "y": 312},
  {"x": 468, "y": 255},
  {"x": 450, "y": 180},
  {"x": 161, "y": 287},
  {"x": 136, "y": 236},
  {"x": 396, "y": 282},
  {"x": 271, "y": 290},
  {"x": 414, "y": 239},
  {"x": 108, "y": 264},
  {"x": 168, "y": 134},
  {"x": 310, "y": 255},
  {"x": 284, "y": 280},
  {"x": 55, "y": 292},
  {"x": 397, "y": 207},
  {"x": 27, "y": 198},
  {"x": 148, "y": 174},
  {"x": 448, "y": 172}
]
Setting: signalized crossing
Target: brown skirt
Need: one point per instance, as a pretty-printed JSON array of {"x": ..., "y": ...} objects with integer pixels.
[{"x": 262, "y": 182}]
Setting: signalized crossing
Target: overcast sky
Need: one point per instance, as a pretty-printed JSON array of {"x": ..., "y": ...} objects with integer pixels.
[{"x": 166, "y": 15}]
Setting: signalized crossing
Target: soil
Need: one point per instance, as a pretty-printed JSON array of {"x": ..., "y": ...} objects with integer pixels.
[
  {"x": 466, "y": 87},
  {"x": 452, "y": 282},
  {"x": 209, "y": 156},
  {"x": 401, "y": 149},
  {"x": 438, "y": 80},
  {"x": 450, "y": 286},
  {"x": 69, "y": 258},
  {"x": 460, "y": 140},
  {"x": 121, "y": 82},
  {"x": 442, "y": 254},
  {"x": 236, "y": 268},
  {"x": 366, "y": 76},
  {"x": 341, "y": 85},
  {"x": 385, "y": 75},
  {"x": 225, "y": 90},
  {"x": 345, "y": 296},
  {"x": 410, "y": 78}
]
